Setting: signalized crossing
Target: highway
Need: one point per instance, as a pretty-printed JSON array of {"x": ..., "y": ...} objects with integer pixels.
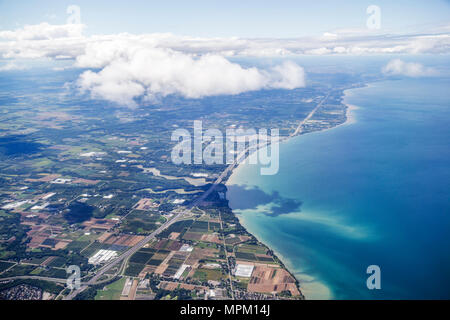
[
  {"x": 151, "y": 236},
  {"x": 95, "y": 280},
  {"x": 310, "y": 115}
]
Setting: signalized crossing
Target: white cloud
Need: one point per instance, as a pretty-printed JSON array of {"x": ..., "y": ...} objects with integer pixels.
[
  {"x": 319, "y": 51},
  {"x": 409, "y": 69},
  {"x": 43, "y": 41},
  {"x": 133, "y": 72},
  {"x": 44, "y": 31},
  {"x": 10, "y": 66},
  {"x": 127, "y": 67},
  {"x": 68, "y": 42},
  {"x": 287, "y": 76},
  {"x": 329, "y": 35}
]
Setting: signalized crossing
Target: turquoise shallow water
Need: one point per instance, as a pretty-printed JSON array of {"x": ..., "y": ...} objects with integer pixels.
[{"x": 374, "y": 191}]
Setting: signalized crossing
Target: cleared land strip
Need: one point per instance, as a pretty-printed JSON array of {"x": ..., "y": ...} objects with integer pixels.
[
  {"x": 34, "y": 278},
  {"x": 226, "y": 256}
]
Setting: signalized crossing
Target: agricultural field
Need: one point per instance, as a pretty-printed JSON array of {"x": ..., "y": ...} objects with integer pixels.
[{"x": 111, "y": 291}]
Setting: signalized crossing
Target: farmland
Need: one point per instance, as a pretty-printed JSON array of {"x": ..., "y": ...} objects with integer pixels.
[{"x": 81, "y": 177}]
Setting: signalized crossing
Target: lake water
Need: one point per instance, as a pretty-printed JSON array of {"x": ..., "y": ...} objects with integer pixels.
[{"x": 374, "y": 191}]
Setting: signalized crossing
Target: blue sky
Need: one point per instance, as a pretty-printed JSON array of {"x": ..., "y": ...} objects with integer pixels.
[{"x": 251, "y": 18}]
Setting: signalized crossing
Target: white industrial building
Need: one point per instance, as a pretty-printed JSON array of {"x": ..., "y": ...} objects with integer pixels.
[
  {"x": 102, "y": 256},
  {"x": 186, "y": 248},
  {"x": 180, "y": 271},
  {"x": 244, "y": 270}
]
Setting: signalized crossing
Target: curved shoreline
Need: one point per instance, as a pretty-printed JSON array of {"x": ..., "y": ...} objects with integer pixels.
[{"x": 286, "y": 263}]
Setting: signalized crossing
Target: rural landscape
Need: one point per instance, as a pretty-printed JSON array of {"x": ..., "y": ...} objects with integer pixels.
[
  {"x": 99, "y": 190},
  {"x": 232, "y": 158}
]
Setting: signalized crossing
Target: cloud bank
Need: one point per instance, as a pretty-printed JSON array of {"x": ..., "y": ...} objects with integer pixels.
[
  {"x": 69, "y": 42},
  {"x": 44, "y": 31},
  {"x": 138, "y": 72},
  {"x": 126, "y": 68},
  {"x": 409, "y": 69},
  {"x": 11, "y": 66}
]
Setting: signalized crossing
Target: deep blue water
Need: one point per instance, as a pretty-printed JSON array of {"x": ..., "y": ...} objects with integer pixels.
[{"x": 372, "y": 192}]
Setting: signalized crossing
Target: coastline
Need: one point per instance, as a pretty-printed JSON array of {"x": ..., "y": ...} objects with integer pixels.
[
  {"x": 332, "y": 234},
  {"x": 317, "y": 290}
]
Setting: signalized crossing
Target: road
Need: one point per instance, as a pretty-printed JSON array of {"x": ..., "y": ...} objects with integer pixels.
[
  {"x": 240, "y": 158},
  {"x": 125, "y": 255},
  {"x": 151, "y": 236},
  {"x": 228, "y": 260},
  {"x": 64, "y": 281},
  {"x": 243, "y": 155},
  {"x": 310, "y": 115}
]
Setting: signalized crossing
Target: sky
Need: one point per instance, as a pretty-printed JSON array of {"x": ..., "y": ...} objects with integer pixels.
[
  {"x": 133, "y": 51},
  {"x": 231, "y": 18}
]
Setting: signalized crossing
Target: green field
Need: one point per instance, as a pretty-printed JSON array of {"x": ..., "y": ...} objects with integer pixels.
[
  {"x": 208, "y": 274},
  {"x": 134, "y": 269},
  {"x": 112, "y": 291}
]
